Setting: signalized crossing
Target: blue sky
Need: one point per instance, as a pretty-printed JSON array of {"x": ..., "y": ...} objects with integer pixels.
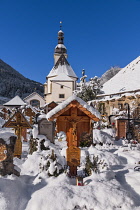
[{"x": 98, "y": 34}]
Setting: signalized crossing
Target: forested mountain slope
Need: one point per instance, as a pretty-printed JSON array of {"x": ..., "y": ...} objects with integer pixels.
[{"x": 13, "y": 83}]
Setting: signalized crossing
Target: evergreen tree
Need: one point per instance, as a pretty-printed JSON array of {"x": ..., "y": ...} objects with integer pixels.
[{"x": 88, "y": 90}]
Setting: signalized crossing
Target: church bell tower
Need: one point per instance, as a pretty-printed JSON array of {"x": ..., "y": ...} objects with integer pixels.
[
  {"x": 60, "y": 47},
  {"x": 61, "y": 80}
]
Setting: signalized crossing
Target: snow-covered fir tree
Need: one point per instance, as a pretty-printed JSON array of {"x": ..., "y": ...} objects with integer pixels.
[{"x": 88, "y": 90}]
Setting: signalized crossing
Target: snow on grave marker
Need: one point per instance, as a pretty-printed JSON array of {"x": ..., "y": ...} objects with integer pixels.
[
  {"x": 19, "y": 122},
  {"x": 73, "y": 116},
  {"x": 46, "y": 128}
]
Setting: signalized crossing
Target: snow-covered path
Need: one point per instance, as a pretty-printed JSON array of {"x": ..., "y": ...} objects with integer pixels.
[{"x": 127, "y": 177}]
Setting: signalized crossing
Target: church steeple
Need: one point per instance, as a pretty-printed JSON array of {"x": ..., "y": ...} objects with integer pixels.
[
  {"x": 61, "y": 81},
  {"x": 60, "y": 35},
  {"x": 60, "y": 48}
]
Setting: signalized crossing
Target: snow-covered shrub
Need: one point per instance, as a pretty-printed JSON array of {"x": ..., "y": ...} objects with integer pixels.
[
  {"x": 101, "y": 137},
  {"x": 32, "y": 145},
  {"x": 94, "y": 164},
  {"x": 61, "y": 136},
  {"x": 38, "y": 144},
  {"x": 86, "y": 140},
  {"x": 60, "y": 140},
  {"x": 35, "y": 131},
  {"x": 109, "y": 158},
  {"x": 104, "y": 123},
  {"x": 51, "y": 165}
]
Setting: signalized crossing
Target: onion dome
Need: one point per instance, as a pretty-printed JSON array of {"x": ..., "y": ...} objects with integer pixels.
[{"x": 60, "y": 48}]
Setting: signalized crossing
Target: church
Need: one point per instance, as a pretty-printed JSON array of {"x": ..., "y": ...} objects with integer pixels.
[{"x": 61, "y": 80}]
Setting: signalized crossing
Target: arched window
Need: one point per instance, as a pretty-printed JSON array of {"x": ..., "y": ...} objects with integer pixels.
[{"x": 35, "y": 103}]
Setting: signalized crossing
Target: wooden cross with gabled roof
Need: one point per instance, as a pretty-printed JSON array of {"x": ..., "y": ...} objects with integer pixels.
[
  {"x": 74, "y": 117},
  {"x": 18, "y": 121}
]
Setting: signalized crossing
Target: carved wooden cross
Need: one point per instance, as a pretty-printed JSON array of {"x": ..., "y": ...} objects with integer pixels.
[
  {"x": 73, "y": 152},
  {"x": 73, "y": 119},
  {"x": 30, "y": 113},
  {"x": 18, "y": 121}
]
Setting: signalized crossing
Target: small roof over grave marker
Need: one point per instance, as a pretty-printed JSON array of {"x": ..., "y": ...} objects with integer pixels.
[
  {"x": 71, "y": 102},
  {"x": 17, "y": 118},
  {"x": 73, "y": 116}
]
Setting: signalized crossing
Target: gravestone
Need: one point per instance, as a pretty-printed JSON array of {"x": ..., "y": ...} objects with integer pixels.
[
  {"x": 6, "y": 157},
  {"x": 47, "y": 128}
]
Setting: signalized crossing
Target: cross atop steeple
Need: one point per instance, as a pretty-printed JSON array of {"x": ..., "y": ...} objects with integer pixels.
[{"x": 60, "y": 25}]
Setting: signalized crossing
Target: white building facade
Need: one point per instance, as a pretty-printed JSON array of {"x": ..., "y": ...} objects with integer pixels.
[{"x": 61, "y": 81}]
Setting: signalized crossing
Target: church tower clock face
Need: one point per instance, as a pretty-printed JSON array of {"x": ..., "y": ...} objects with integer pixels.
[{"x": 3, "y": 152}]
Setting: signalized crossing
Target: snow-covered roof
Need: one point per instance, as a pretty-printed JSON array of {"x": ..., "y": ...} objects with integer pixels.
[
  {"x": 33, "y": 94},
  {"x": 62, "y": 66},
  {"x": 66, "y": 69},
  {"x": 127, "y": 79},
  {"x": 60, "y": 31},
  {"x": 62, "y": 77},
  {"x": 67, "y": 102},
  {"x": 16, "y": 101},
  {"x": 32, "y": 108},
  {"x": 117, "y": 96},
  {"x": 60, "y": 46}
]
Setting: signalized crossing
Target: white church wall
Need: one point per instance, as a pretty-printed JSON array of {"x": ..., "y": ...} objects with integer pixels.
[{"x": 60, "y": 89}]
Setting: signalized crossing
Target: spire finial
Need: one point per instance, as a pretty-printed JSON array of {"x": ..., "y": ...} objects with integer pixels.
[{"x": 60, "y": 25}]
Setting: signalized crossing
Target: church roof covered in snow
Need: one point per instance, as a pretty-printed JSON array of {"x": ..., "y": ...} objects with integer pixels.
[
  {"x": 89, "y": 109},
  {"x": 127, "y": 79},
  {"x": 62, "y": 66},
  {"x": 16, "y": 101},
  {"x": 62, "y": 77}
]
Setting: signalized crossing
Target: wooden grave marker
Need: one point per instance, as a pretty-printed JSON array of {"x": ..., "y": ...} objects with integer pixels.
[
  {"x": 3, "y": 152},
  {"x": 30, "y": 113},
  {"x": 73, "y": 119},
  {"x": 19, "y": 122}
]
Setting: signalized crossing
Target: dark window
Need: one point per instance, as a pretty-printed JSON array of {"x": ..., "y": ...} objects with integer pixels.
[
  {"x": 35, "y": 103},
  {"x": 61, "y": 96},
  {"x": 62, "y": 86}
]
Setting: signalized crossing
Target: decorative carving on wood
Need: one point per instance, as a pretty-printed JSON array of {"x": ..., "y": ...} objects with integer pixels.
[
  {"x": 18, "y": 121},
  {"x": 3, "y": 152},
  {"x": 73, "y": 156}
]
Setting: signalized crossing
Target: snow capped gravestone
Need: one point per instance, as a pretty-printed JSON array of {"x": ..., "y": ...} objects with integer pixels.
[
  {"x": 47, "y": 128},
  {"x": 6, "y": 156}
]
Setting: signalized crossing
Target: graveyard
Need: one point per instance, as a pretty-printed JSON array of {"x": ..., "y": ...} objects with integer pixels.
[{"x": 62, "y": 160}]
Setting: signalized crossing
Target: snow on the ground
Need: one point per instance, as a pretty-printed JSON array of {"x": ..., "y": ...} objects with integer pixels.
[
  {"x": 101, "y": 136},
  {"x": 116, "y": 187}
]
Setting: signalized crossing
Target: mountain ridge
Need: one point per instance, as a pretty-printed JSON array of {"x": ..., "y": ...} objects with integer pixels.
[{"x": 13, "y": 83}]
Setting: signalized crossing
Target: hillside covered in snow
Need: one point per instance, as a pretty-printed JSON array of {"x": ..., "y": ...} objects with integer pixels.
[
  {"x": 13, "y": 83},
  {"x": 127, "y": 79}
]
